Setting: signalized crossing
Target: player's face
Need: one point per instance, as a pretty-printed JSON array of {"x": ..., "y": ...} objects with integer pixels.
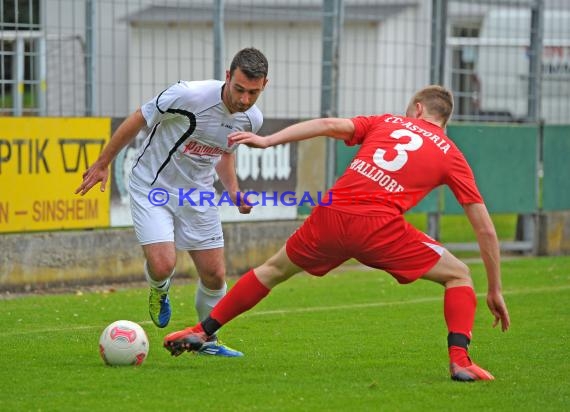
[{"x": 240, "y": 92}]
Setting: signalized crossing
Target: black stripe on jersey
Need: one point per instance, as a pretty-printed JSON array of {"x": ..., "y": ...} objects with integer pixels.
[
  {"x": 192, "y": 118},
  {"x": 158, "y": 98},
  {"x": 147, "y": 145}
]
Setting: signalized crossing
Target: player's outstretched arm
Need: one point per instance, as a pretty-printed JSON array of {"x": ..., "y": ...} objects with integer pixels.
[
  {"x": 332, "y": 127},
  {"x": 490, "y": 253},
  {"x": 99, "y": 171}
]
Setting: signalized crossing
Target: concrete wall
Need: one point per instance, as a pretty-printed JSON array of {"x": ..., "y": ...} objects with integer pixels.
[
  {"x": 554, "y": 233},
  {"x": 44, "y": 260},
  {"x": 41, "y": 260}
]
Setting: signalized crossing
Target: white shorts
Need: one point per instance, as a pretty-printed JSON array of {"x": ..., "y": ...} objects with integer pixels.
[{"x": 188, "y": 228}]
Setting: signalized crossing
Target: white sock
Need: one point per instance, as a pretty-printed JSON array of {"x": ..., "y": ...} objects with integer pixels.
[
  {"x": 162, "y": 285},
  {"x": 206, "y": 299}
]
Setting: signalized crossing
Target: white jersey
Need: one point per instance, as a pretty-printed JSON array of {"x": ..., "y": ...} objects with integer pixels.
[{"x": 189, "y": 127}]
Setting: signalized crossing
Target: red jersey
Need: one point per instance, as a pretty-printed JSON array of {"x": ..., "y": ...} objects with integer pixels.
[{"x": 400, "y": 161}]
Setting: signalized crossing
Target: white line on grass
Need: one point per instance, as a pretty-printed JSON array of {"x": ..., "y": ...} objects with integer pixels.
[
  {"x": 395, "y": 303},
  {"x": 308, "y": 309}
]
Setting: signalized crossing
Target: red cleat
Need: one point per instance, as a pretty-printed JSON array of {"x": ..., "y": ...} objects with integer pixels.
[
  {"x": 186, "y": 340},
  {"x": 469, "y": 373}
]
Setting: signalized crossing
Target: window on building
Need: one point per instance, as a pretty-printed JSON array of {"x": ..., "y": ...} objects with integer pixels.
[
  {"x": 21, "y": 42},
  {"x": 464, "y": 82}
]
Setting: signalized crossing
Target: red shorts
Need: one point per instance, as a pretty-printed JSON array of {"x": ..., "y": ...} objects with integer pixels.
[{"x": 329, "y": 237}]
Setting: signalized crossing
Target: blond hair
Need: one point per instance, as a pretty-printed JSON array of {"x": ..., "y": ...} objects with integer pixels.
[{"x": 437, "y": 100}]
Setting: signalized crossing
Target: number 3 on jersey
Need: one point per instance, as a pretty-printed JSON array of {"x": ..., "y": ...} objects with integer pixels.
[{"x": 402, "y": 150}]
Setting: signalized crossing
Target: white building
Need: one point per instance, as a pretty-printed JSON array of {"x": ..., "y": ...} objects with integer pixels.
[{"x": 139, "y": 47}]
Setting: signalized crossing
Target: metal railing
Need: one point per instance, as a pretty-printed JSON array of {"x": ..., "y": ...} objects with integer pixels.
[{"x": 506, "y": 60}]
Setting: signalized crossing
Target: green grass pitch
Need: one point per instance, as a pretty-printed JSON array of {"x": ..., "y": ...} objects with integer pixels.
[{"x": 351, "y": 341}]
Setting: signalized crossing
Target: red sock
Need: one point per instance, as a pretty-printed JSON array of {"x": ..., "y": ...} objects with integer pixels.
[
  {"x": 459, "y": 309},
  {"x": 245, "y": 294},
  {"x": 459, "y": 356}
]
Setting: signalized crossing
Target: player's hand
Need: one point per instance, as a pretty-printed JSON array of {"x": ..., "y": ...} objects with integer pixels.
[
  {"x": 249, "y": 139},
  {"x": 245, "y": 209},
  {"x": 243, "y": 204},
  {"x": 91, "y": 177},
  {"x": 498, "y": 308}
]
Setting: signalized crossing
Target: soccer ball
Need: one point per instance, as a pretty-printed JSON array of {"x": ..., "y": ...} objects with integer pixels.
[{"x": 123, "y": 343}]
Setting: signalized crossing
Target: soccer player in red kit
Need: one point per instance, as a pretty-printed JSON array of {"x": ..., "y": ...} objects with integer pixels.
[{"x": 401, "y": 159}]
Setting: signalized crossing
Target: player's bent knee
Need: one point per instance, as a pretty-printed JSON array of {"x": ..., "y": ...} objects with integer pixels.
[
  {"x": 214, "y": 277},
  {"x": 463, "y": 270},
  {"x": 161, "y": 270},
  {"x": 460, "y": 276},
  {"x": 450, "y": 271}
]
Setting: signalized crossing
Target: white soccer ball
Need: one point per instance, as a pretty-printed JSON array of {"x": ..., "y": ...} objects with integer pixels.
[{"x": 123, "y": 343}]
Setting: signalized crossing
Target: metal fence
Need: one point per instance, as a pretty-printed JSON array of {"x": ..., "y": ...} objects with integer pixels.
[{"x": 505, "y": 60}]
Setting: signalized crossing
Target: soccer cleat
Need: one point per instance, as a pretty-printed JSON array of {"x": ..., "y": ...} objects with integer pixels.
[
  {"x": 469, "y": 373},
  {"x": 214, "y": 347},
  {"x": 159, "y": 307},
  {"x": 186, "y": 340}
]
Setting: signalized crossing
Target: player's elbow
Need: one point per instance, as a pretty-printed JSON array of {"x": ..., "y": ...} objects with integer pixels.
[{"x": 487, "y": 233}]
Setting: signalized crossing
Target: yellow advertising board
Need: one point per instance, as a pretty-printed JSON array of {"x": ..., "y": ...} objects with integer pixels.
[{"x": 42, "y": 161}]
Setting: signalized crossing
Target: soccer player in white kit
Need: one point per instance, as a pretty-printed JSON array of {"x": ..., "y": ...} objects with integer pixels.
[{"x": 187, "y": 145}]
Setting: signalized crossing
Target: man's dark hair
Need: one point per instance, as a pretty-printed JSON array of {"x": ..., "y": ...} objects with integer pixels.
[{"x": 251, "y": 62}]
